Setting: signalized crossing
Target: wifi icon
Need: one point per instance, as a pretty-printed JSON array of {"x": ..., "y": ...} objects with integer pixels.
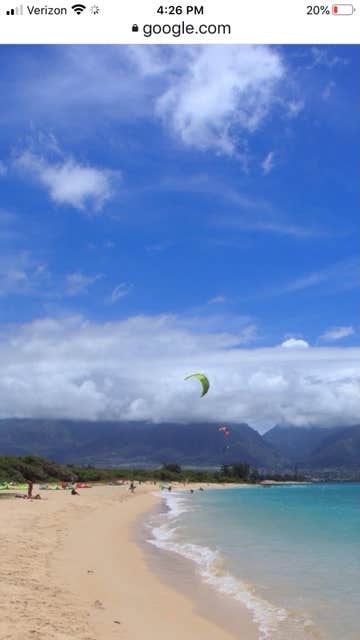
[{"x": 78, "y": 8}]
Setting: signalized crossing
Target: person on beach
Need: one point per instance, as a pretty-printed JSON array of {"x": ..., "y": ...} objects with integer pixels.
[
  {"x": 30, "y": 488},
  {"x": 74, "y": 492},
  {"x": 132, "y": 487}
]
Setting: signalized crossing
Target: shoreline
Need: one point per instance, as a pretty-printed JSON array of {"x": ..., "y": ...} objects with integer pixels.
[
  {"x": 72, "y": 568},
  {"x": 182, "y": 573}
]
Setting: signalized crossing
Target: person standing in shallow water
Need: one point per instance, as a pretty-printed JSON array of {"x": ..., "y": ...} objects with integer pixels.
[{"x": 30, "y": 488}]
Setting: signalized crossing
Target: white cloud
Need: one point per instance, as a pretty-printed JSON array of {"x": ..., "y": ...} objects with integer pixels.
[
  {"x": 219, "y": 93},
  {"x": 295, "y": 107},
  {"x": 78, "y": 283},
  {"x": 207, "y": 97},
  {"x": 135, "y": 370},
  {"x": 295, "y": 343},
  {"x": 158, "y": 247},
  {"x": 268, "y": 163},
  {"x": 328, "y": 90},
  {"x": 68, "y": 181},
  {"x": 217, "y": 300},
  {"x": 325, "y": 56},
  {"x": 3, "y": 169},
  {"x": 337, "y": 333},
  {"x": 120, "y": 291},
  {"x": 268, "y": 224},
  {"x": 341, "y": 276},
  {"x": 305, "y": 282},
  {"x": 152, "y": 61},
  {"x": 20, "y": 274}
]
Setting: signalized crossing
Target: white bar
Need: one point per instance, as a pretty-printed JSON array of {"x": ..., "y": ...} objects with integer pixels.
[{"x": 255, "y": 22}]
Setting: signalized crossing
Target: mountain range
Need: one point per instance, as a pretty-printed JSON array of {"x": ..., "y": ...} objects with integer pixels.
[
  {"x": 317, "y": 447},
  {"x": 110, "y": 443}
]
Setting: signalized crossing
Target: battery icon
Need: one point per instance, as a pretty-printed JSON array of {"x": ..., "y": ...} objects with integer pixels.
[{"x": 342, "y": 9}]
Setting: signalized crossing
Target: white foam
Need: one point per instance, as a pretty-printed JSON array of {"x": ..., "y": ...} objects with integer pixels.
[{"x": 176, "y": 504}]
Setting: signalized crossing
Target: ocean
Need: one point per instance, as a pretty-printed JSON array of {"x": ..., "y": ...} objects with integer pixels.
[{"x": 290, "y": 554}]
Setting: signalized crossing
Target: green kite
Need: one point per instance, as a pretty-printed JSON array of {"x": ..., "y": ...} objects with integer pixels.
[{"x": 203, "y": 379}]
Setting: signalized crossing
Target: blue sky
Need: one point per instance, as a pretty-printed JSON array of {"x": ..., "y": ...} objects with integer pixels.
[{"x": 214, "y": 189}]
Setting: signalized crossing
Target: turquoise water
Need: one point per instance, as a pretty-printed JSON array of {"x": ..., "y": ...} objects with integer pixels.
[{"x": 291, "y": 554}]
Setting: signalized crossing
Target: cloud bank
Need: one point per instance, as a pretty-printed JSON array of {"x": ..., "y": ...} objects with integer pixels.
[{"x": 135, "y": 369}]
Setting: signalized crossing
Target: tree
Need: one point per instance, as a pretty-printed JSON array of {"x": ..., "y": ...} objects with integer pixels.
[
  {"x": 172, "y": 467},
  {"x": 225, "y": 470}
]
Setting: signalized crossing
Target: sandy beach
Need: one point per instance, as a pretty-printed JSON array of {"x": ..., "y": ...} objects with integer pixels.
[{"x": 71, "y": 569}]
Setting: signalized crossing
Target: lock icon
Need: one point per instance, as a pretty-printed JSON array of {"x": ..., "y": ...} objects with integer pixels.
[{"x": 135, "y": 27}]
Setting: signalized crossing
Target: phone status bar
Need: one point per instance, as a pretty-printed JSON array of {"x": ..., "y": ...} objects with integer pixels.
[{"x": 149, "y": 21}]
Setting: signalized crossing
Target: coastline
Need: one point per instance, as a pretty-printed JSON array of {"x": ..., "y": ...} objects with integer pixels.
[
  {"x": 71, "y": 568},
  {"x": 177, "y": 571}
]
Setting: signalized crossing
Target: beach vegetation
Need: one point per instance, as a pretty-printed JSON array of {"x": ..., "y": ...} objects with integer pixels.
[{"x": 37, "y": 469}]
